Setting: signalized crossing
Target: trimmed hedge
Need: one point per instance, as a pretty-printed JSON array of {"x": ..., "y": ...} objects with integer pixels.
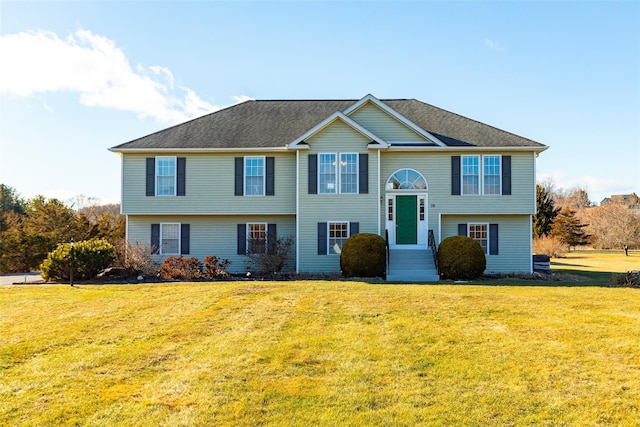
[
  {"x": 363, "y": 255},
  {"x": 90, "y": 258},
  {"x": 461, "y": 258}
]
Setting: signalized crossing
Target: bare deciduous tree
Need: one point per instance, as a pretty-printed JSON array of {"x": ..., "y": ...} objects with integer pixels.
[{"x": 613, "y": 225}]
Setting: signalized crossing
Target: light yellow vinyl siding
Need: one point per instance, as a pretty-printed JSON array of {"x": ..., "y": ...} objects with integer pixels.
[
  {"x": 436, "y": 168},
  {"x": 211, "y": 235},
  {"x": 514, "y": 240},
  {"x": 209, "y": 187},
  {"x": 383, "y": 125},
  {"x": 314, "y": 208}
]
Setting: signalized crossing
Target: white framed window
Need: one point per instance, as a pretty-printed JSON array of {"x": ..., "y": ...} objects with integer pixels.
[
  {"x": 337, "y": 235},
  {"x": 348, "y": 173},
  {"x": 406, "y": 179},
  {"x": 482, "y": 180},
  {"x": 327, "y": 173},
  {"x": 169, "y": 238},
  {"x": 480, "y": 233},
  {"x": 491, "y": 175},
  {"x": 254, "y": 174},
  {"x": 166, "y": 176},
  {"x": 256, "y": 238},
  {"x": 470, "y": 174},
  {"x": 338, "y": 173}
]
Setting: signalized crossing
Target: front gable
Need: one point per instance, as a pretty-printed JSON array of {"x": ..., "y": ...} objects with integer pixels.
[
  {"x": 331, "y": 125},
  {"x": 384, "y": 121}
]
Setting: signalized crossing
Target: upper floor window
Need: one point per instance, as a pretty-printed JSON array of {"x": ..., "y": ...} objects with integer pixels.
[
  {"x": 327, "y": 173},
  {"x": 470, "y": 175},
  {"x": 333, "y": 173},
  {"x": 348, "y": 173},
  {"x": 165, "y": 176},
  {"x": 491, "y": 175},
  {"x": 332, "y": 182},
  {"x": 406, "y": 179},
  {"x": 254, "y": 176},
  {"x": 485, "y": 180}
]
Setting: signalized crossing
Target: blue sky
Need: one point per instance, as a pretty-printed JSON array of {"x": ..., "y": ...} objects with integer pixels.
[{"x": 79, "y": 77}]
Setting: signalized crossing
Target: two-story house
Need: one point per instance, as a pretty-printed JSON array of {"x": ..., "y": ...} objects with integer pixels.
[{"x": 321, "y": 170}]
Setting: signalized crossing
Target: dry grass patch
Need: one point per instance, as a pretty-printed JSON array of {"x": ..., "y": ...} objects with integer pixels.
[{"x": 318, "y": 353}]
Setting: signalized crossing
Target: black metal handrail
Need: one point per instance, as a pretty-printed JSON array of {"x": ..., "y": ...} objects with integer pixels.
[
  {"x": 386, "y": 242},
  {"x": 434, "y": 250}
]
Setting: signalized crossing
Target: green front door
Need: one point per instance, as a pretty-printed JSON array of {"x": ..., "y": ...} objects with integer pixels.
[{"x": 406, "y": 220}]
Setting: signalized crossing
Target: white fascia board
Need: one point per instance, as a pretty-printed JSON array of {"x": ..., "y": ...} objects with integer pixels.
[
  {"x": 394, "y": 113},
  {"x": 462, "y": 149},
  {"x": 332, "y": 118},
  {"x": 197, "y": 150},
  {"x": 219, "y": 214}
]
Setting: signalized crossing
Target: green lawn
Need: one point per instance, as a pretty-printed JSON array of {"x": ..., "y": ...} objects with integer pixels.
[
  {"x": 596, "y": 266},
  {"x": 321, "y": 353}
]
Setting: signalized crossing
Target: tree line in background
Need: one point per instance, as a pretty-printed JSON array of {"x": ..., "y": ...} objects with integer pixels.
[
  {"x": 567, "y": 219},
  {"x": 30, "y": 229}
]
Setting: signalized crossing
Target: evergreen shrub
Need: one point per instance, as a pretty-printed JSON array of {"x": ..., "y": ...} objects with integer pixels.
[
  {"x": 461, "y": 258},
  {"x": 89, "y": 258},
  {"x": 363, "y": 255}
]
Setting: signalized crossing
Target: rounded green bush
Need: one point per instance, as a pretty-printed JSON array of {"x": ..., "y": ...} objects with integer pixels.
[
  {"x": 461, "y": 258},
  {"x": 363, "y": 255},
  {"x": 89, "y": 258}
]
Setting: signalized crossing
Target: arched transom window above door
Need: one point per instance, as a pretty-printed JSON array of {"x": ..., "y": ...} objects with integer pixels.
[{"x": 406, "y": 179}]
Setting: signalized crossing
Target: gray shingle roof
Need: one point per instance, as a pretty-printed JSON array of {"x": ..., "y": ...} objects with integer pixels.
[{"x": 267, "y": 124}]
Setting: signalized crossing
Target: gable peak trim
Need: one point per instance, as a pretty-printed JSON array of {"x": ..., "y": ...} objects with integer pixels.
[
  {"x": 393, "y": 113},
  {"x": 301, "y": 143}
]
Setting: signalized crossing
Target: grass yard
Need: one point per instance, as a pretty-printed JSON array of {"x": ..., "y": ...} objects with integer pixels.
[{"x": 322, "y": 353}]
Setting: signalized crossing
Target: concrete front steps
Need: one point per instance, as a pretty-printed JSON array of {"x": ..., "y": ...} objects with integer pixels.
[{"x": 411, "y": 265}]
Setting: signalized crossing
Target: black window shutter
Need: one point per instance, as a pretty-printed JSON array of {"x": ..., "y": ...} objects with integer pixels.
[
  {"x": 151, "y": 176},
  {"x": 354, "y": 228},
  {"x": 462, "y": 229},
  {"x": 313, "y": 175},
  {"x": 455, "y": 175},
  {"x": 242, "y": 239},
  {"x": 270, "y": 185},
  {"x": 322, "y": 238},
  {"x": 239, "y": 176},
  {"x": 363, "y": 178},
  {"x": 155, "y": 238},
  {"x": 182, "y": 164},
  {"x": 185, "y": 231},
  {"x": 493, "y": 239},
  {"x": 506, "y": 175},
  {"x": 272, "y": 237}
]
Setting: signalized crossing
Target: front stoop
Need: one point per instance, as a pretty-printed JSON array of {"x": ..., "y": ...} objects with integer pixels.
[{"x": 412, "y": 265}]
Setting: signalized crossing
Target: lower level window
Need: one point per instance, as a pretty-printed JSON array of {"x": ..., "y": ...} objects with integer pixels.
[
  {"x": 170, "y": 239},
  {"x": 338, "y": 233},
  {"x": 256, "y": 238},
  {"x": 480, "y": 233}
]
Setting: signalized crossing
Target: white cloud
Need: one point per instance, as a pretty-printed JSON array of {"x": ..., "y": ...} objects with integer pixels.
[
  {"x": 92, "y": 65},
  {"x": 494, "y": 45},
  {"x": 241, "y": 98}
]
